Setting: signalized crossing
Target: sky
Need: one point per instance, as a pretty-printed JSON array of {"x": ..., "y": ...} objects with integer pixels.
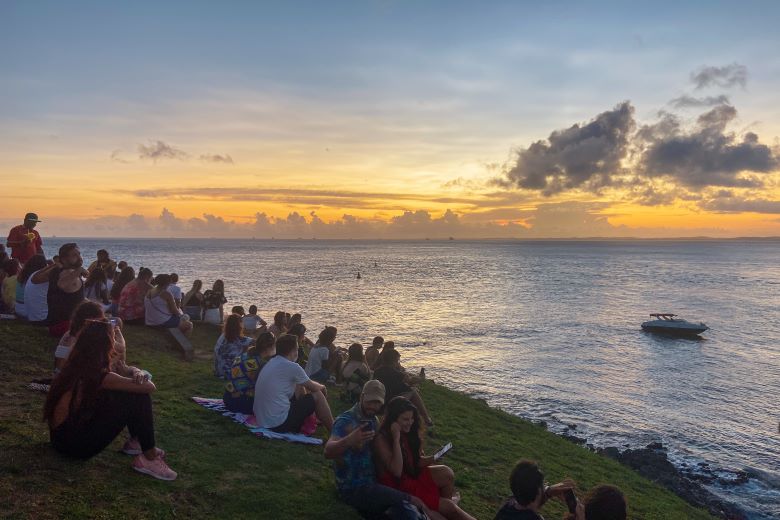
[{"x": 385, "y": 119}]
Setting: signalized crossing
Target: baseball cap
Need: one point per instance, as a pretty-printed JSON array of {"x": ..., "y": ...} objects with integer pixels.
[
  {"x": 374, "y": 391},
  {"x": 32, "y": 217}
]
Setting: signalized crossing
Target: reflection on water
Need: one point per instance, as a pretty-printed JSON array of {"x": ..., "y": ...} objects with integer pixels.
[{"x": 546, "y": 330}]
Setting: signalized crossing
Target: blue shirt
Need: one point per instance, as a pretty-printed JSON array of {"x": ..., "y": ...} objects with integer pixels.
[{"x": 355, "y": 468}]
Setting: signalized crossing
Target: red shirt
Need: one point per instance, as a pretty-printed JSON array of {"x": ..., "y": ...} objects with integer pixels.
[{"x": 26, "y": 250}]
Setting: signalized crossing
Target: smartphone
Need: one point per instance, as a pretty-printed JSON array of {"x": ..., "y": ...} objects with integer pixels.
[
  {"x": 113, "y": 321},
  {"x": 367, "y": 425},
  {"x": 571, "y": 500},
  {"x": 439, "y": 454}
]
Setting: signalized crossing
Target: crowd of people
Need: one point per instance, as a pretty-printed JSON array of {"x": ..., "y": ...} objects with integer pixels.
[{"x": 274, "y": 372}]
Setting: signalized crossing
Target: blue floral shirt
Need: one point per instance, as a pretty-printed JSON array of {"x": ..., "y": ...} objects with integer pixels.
[
  {"x": 355, "y": 468},
  {"x": 225, "y": 352}
]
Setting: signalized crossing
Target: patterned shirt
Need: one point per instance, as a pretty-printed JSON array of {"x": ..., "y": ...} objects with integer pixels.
[
  {"x": 225, "y": 352},
  {"x": 131, "y": 302},
  {"x": 243, "y": 375},
  {"x": 355, "y": 468}
]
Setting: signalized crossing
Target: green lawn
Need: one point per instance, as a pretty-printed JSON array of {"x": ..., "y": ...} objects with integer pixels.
[{"x": 225, "y": 472}]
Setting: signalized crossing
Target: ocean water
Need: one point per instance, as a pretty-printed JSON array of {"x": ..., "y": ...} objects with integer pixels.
[{"x": 547, "y": 330}]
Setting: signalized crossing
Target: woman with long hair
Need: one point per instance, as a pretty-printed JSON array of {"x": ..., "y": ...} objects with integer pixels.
[
  {"x": 192, "y": 302},
  {"x": 95, "y": 287},
  {"x": 401, "y": 463},
  {"x": 88, "y": 405},
  {"x": 131, "y": 299},
  {"x": 126, "y": 276},
  {"x": 324, "y": 361},
  {"x": 230, "y": 344},
  {"x": 279, "y": 325},
  {"x": 239, "y": 395},
  {"x": 213, "y": 303}
]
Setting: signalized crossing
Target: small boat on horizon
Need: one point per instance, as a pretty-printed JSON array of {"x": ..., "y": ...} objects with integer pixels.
[{"x": 667, "y": 323}]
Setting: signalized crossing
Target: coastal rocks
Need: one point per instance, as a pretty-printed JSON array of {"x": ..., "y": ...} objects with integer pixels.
[{"x": 652, "y": 462}]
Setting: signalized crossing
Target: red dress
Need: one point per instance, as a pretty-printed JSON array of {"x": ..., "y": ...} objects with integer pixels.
[{"x": 422, "y": 486}]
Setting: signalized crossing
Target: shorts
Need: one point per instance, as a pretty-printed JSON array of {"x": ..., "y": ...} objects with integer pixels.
[
  {"x": 172, "y": 322},
  {"x": 300, "y": 409}
]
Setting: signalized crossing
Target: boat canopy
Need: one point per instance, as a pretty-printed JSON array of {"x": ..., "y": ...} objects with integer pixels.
[{"x": 663, "y": 315}]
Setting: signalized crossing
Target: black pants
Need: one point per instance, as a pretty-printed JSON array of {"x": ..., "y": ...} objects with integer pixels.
[{"x": 113, "y": 412}]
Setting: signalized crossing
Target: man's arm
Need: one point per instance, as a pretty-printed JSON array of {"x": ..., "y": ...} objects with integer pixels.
[
  {"x": 42, "y": 276},
  {"x": 336, "y": 446}
]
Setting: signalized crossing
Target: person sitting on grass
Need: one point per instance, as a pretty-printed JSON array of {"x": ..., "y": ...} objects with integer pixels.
[
  {"x": 160, "y": 308},
  {"x": 350, "y": 448},
  {"x": 11, "y": 269},
  {"x": 230, "y": 344},
  {"x": 214, "y": 304},
  {"x": 529, "y": 493},
  {"x": 355, "y": 373},
  {"x": 239, "y": 395},
  {"x": 279, "y": 326},
  {"x": 88, "y": 406},
  {"x": 402, "y": 465},
  {"x": 175, "y": 290},
  {"x": 252, "y": 323},
  {"x": 304, "y": 344},
  {"x": 318, "y": 366},
  {"x": 35, "y": 282},
  {"x": 394, "y": 379},
  {"x": 285, "y": 396},
  {"x": 192, "y": 302},
  {"x": 66, "y": 289},
  {"x": 96, "y": 288},
  {"x": 131, "y": 300},
  {"x": 124, "y": 277},
  {"x": 372, "y": 352},
  {"x": 102, "y": 262}
]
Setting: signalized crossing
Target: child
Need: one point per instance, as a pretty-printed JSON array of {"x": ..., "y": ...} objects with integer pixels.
[{"x": 251, "y": 321}]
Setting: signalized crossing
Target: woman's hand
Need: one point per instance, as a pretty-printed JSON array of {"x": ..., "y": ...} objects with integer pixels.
[
  {"x": 395, "y": 429},
  {"x": 139, "y": 377}
]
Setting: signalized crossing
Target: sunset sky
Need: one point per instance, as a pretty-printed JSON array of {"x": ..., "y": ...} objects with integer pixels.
[{"x": 384, "y": 119}]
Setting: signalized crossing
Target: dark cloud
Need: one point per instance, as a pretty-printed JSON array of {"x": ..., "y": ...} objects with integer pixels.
[
  {"x": 157, "y": 150},
  {"x": 216, "y": 158},
  {"x": 687, "y": 101},
  {"x": 724, "y": 77},
  {"x": 585, "y": 157},
  {"x": 706, "y": 155},
  {"x": 735, "y": 204}
]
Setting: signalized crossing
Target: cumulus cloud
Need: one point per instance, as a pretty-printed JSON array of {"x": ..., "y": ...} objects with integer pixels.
[
  {"x": 217, "y": 158},
  {"x": 582, "y": 156},
  {"x": 706, "y": 155},
  {"x": 137, "y": 222},
  {"x": 730, "y": 203},
  {"x": 688, "y": 101},
  {"x": 169, "y": 221},
  {"x": 726, "y": 76},
  {"x": 157, "y": 150}
]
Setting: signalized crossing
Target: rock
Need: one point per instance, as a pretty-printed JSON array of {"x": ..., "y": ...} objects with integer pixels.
[{"x": 574, "y": 439}]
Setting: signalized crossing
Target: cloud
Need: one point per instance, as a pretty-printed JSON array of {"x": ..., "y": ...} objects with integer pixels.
[
  {"x": 585, "y": 157},
  {"x": 706, "y": 155},
  {"x": 137, "y": 222},
  {"x": 157, "y": 150},
  {"x": 688, "y": 101},
  {"x": 169, "y": 221},
  {"x": 724, "y": 77},
  {"x": 116, "y": 156},
  {"x": 217, "y": 158},
  {"x": 730, "y": 203}
]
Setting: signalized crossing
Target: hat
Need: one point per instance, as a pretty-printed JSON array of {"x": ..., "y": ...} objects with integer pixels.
[
  {"x": 32, "y": 217},
  {"x": 374, "y": 391}
]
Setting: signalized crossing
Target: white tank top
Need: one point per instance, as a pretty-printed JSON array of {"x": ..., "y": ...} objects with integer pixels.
[
  {"x": 35, "y": 299},
  {"x": 156, "y": 311}
]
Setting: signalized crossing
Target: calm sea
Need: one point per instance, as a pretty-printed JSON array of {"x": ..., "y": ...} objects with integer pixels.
[{"x": 547, "y": 330}]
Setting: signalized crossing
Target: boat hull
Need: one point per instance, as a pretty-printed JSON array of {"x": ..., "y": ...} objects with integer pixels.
[{"x": 673, "y": 331}]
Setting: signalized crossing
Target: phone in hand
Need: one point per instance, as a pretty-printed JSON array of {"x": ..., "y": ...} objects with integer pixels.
[
  {"x": 439, "y": 454},
  {"x": 571, "y": 500},
  {"x": 113, "y": 321},
  {"x": 367, "y": 425}
]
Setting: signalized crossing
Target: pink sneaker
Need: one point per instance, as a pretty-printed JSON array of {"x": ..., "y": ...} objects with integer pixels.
[{"x": 156, "y": 468}]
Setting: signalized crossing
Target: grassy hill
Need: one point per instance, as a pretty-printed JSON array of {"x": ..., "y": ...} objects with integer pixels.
[{"x": 225, "y": 472}]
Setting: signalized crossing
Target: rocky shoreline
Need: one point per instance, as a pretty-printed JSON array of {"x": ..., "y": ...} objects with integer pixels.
[{"x": 652, "y": 462}]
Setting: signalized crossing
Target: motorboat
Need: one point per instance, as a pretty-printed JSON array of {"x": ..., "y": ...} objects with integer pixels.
[{"x": 666, "y": 323}]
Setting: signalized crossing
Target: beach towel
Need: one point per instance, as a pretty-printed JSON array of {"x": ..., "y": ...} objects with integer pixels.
[{"x": 249, "y": 421}]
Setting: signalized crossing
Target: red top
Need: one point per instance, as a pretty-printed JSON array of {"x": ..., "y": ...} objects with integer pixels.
[{"x": 29, "y": 248}]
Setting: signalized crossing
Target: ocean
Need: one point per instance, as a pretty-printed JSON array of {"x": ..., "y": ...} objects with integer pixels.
[{"x": 547, "y": 330}]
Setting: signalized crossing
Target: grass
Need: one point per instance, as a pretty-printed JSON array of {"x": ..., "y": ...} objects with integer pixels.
[{"x": 224, "y": 472}]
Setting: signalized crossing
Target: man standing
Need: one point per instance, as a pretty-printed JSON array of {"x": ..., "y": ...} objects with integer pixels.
[
  {"x": 24, "y": 241},
  {"x": 350, "y": 447},
  {"x": 66, "y": 289}
]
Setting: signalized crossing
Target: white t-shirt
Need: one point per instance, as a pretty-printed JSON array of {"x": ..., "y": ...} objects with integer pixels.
[
  {"x": 251, "y": 321},
  {"x": 317, "y": 357},
  {"x": 36, "y": 306},
  {"x": 175, "y": 291},
  {"x": 274, "y": 388}
]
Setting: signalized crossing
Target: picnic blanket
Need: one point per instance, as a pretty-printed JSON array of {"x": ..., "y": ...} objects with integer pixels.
[{"x": 249, "y": 421}]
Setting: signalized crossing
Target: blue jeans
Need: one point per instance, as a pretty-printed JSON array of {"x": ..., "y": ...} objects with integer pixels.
[
  {"x": 378, "y": 501},
  {"x": 321, "y": 376}
]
